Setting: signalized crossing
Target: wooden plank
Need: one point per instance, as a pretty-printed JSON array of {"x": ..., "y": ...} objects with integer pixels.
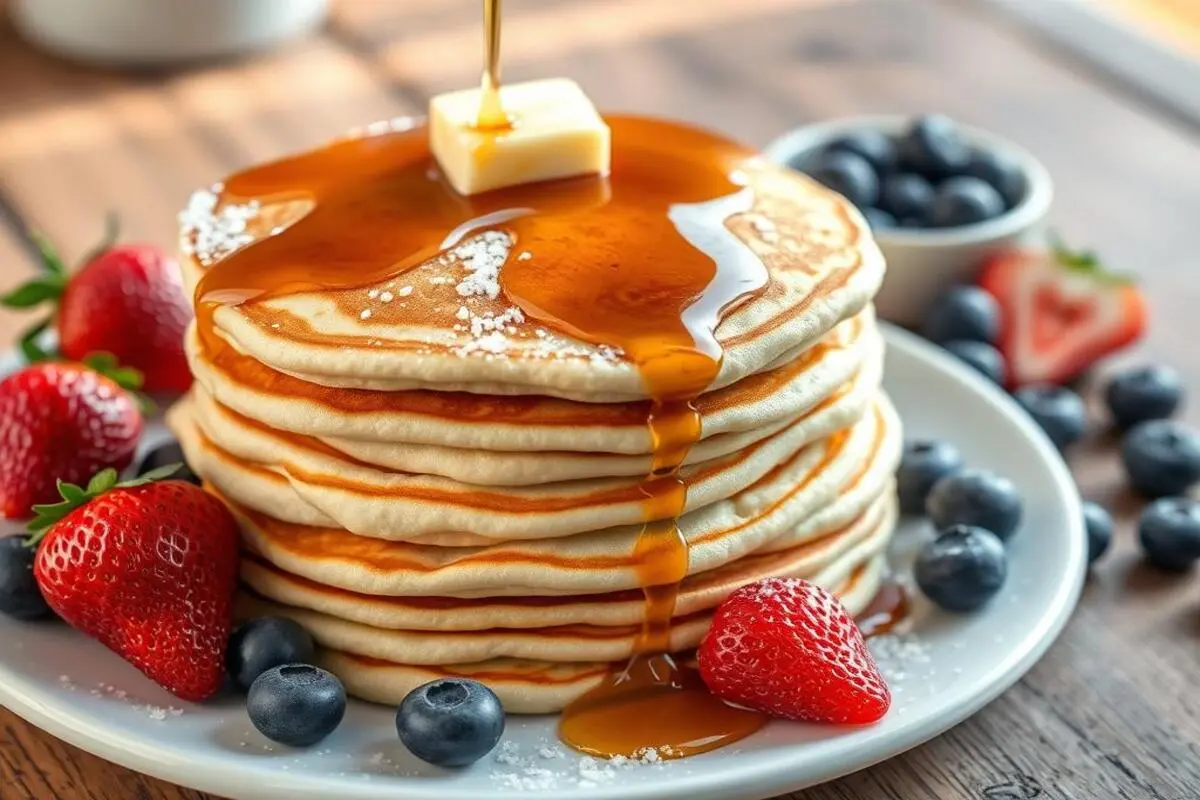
[
  {"x": 35, "y": 766},
  {"x": 74, "y": 142}
]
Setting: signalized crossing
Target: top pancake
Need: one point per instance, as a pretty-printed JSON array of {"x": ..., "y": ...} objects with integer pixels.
[{"x": 443, "y": 324}]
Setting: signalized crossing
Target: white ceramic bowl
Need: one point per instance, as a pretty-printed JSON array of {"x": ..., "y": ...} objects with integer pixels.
[
  {"x": 923, "y": 262},
  {"x": 147, "y": 32}
]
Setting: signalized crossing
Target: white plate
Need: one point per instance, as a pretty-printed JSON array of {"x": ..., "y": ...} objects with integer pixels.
[{"x": 941, "y": 673}]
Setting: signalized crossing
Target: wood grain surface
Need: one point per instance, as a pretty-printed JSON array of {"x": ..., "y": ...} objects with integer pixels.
[{"x": 1112, "y": 710}]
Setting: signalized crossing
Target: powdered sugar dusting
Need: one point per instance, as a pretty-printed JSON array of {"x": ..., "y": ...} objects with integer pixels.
[
  {"x": 211, "y": 233},
  {"x": 527, "y": 769},
  {"x": 482, "y": 257}
]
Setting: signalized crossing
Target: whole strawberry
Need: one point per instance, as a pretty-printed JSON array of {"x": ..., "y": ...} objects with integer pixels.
[
  {"x": 65, "y": 421},
  {"x": 148, "y": 569},
  {"x": 788, "y": 648},
  {"x": 127, "y": 300}
]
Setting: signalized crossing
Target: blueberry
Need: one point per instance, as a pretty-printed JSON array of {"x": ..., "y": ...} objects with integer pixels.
[
  {"x": 876, "y": 147},
  {"x": 964, "y": 201},
  {"x": 1144, "y": 393},
  {"x": 962, "y": 569},
  {"x": 849, "y": 175},
  {"x": 1099, "y": 526},
  {"x": 260, "y": 644},
  {"x": 924, "y": 463},
  {"x": 964, "y": 312},
  {"x": 906, "y": 195},
  {"x": 1000, "y": 172},
  {"x": 912, "y": 222},
  {"x": 1059, "y": 411},
  {"x": 451, "y": 722},
  {"x": 978, "y": 498},
  {"x": 934, "y": 147},
  {"x": 296, "y": 705},
  {"x": 1169, "y": 530},
  {"x": 164, "y": 454},
  {"x": 1161, "y": 458},
  {"x": 986, "y": 359},
  {"x": 20, "y": 597},
  {"x": 878, "y": 219}
]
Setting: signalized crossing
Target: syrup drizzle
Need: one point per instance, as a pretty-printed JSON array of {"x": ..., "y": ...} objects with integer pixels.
[
  {"x": 491, "y": 111},
  {"x": 886, "y": 611},
  {"x": 619, "y": 261}
]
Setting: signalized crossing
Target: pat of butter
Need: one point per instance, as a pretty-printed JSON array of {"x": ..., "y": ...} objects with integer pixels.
[{"x": 556, "y": 133}]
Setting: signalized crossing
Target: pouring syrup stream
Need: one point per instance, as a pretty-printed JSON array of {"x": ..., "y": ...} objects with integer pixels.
[{"x": 491, "y": 110}]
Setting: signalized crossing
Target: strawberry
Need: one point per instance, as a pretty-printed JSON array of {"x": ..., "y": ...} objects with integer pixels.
[
  {"x": 1060, "y": 312},
  {"x": 147, "y": 568},
  {"x": 788, "y": 648},
  {"x": 127, "y": 300},
  {"x": 63, "y": 421}
]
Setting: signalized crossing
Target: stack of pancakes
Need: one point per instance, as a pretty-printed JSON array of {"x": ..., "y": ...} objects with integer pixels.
[{"x": 433, "y": 484}]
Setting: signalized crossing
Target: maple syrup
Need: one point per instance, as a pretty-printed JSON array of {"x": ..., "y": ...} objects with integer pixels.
[
  {"x": 886, "y": 611},
  {"x": 491, "y": 111},
  {"x": 379, "y": 206}
]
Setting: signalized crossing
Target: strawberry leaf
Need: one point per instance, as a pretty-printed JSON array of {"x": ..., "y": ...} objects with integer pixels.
[
  {"x": 1086, "y": 262},
  {"x": 157, "y": 474},
  {"x": 73, "y": 497},
  {"x": 51, "y": 261},
  {"x": 30, "y": 346},
  {"x": 100, "y": 483},
  {"x": 44, "y": 516},
  {"x": 72, "y": 493},
  {"x": 107, "y": 365},
  {"x": 34, "y": 293}
]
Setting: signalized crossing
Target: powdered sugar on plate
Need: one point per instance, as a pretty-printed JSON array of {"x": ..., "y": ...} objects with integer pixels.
[{"x": 548, "y": 765}]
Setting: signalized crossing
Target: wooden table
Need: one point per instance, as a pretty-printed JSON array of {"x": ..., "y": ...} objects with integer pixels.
[{"x": 1112, "y": 711}]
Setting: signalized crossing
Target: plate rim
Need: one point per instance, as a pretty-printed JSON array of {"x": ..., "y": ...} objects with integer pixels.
[{"x": 146, "y": 757}]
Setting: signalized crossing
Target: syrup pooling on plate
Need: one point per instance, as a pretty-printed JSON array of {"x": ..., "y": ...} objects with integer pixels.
[
  {"x": 641, "y": 261},
  {"x": 886, "y": 611}
]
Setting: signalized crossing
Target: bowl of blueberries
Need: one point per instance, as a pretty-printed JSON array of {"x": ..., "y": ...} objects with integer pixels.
[{"x": 939, "y": 196}]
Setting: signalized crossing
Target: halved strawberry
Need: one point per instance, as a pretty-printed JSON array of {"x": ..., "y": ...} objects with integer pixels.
[
  {"x": 789, "y": 648},
  {"x": 1061, "y": 311}
]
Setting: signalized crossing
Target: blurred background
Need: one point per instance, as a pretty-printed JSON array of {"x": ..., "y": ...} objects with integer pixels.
[{"x": 127, "y": 105}]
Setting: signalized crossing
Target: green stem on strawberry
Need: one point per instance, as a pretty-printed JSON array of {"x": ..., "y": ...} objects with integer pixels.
[
  {"x": 30, "y": 345},
  {"x": 74, "y": 496},
  {"x": 1087, "y": 262},
  {"x": 112, "y": 232},
  {"x": 127, "y": 378}
]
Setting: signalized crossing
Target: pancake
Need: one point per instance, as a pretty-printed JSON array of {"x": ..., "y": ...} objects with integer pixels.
[
  {"x": 580, "y": 641},
  {"x": 222, "y": 425},
  {"x": 701, "y": 591},
  {"x": 447, "y": 324},
  {"x": 825, "y": 487},
  {"x": 334, "y": 491},
  {"x": 462, "y": 435},
  {"x": 527, "y": 686},
  {"x": 369, "y": 425}
]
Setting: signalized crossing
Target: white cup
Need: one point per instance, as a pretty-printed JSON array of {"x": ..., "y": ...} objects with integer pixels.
[
  {"x": 148, "y": 32},
  {"x": 923, "y": 263}
]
